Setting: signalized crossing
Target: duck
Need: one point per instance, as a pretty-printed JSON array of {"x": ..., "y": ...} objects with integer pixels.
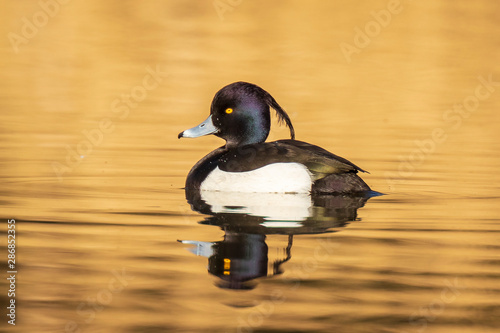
[{"x": 240, "y": 114}]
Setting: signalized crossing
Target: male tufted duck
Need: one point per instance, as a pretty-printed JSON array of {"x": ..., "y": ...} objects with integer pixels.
[{"x": 240, "y": 115}]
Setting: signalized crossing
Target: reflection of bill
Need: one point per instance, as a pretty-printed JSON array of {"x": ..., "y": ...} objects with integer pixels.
[{"x": 246, "y": 218}]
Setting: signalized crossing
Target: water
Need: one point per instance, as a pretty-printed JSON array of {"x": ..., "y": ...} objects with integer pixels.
[{"x": 92, "y": 170}]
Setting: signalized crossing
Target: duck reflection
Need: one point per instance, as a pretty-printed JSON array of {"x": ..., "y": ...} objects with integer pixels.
[{"x": 246, "y": 219}]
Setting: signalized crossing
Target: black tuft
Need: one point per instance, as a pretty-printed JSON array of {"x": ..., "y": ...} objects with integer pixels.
[{"x": 282, "y": 115}]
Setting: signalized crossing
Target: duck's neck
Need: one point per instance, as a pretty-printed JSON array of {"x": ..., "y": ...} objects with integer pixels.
[{"x": 246, "y": 140}]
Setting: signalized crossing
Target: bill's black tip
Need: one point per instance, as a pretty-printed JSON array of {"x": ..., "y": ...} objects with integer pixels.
[{"x": 180, "y": 135}]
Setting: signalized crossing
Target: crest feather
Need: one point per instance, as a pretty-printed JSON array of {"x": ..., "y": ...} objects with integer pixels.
[{"x": 282, "y": 115}]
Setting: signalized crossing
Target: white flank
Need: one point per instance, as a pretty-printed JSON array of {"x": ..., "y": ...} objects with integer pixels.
[
  {"x": 281, "y": 224},
  {"x": 272, "y": 178}
]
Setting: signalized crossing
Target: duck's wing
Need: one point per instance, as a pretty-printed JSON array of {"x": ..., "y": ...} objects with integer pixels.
[
  {"x": 324, "y": 157},
  {"x": 319, "y": 161}
]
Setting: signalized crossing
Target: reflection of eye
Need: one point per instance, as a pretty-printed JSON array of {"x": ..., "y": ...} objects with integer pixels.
[{"x": 229, "y": 110}]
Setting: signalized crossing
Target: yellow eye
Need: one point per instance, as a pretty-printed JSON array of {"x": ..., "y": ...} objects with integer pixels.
[{"x": 229, "y": 110}]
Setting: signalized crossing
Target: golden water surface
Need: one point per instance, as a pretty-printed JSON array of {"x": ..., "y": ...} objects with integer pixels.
[{"x": 93, "y": 95}]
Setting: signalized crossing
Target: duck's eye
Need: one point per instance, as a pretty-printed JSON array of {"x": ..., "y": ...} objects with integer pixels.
[{"x": 229, "y": 110}]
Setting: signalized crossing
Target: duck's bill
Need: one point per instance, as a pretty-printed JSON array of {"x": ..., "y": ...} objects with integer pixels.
[{"x": 205, "y": 128}]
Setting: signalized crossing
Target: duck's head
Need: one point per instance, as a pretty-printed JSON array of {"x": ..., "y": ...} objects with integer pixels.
[{"x": 240, "y": 115}]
